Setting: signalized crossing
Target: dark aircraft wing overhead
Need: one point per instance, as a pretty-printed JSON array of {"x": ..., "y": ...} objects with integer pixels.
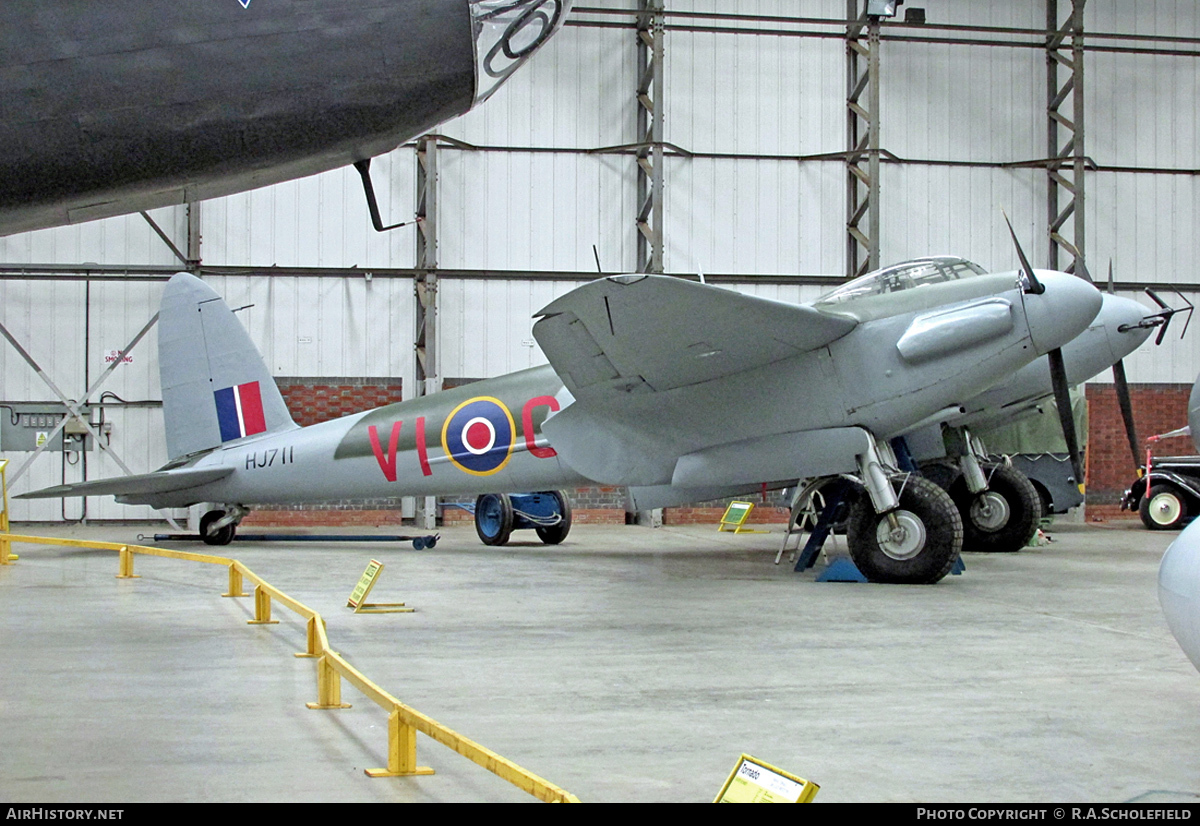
[
  {"x": 650, "y": 333},
  {"x": 141, "y": 489}
]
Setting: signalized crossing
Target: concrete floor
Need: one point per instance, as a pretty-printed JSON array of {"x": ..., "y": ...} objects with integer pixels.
[{"x": 628, "y": 664}]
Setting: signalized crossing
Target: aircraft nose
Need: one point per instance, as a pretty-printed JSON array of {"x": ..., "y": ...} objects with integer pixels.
[
  {"x": 1063, "y": 311},
  {"x": 1120, "y": 317}
]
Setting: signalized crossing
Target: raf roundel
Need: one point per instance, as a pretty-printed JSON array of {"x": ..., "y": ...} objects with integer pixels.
[{"x": 478, "y": 436}]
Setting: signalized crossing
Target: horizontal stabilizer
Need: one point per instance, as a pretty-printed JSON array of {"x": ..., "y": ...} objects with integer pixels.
[
  {"x": 142, "y": 489},
  {"x": 650, "y": 333}
]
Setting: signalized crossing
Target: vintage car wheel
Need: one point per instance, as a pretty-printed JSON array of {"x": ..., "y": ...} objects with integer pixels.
[{"x": 1163, "y": 508}]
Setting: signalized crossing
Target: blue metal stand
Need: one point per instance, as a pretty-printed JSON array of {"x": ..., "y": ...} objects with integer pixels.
[
  {"x": 836, "y": 492},
  {"x": 842, "y": 569}
]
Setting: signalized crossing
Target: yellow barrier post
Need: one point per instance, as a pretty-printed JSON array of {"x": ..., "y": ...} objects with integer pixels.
[
  {"x": 262, "y": 608},
  {"x": 402, "y": 750},
  {"x": 235, "y": 582},
  {"x": 329, "y": 686},
  {"x": 6, "y": 555},
  {"x": 312, "y": 639},
  {"x": 126, "y": 564}
]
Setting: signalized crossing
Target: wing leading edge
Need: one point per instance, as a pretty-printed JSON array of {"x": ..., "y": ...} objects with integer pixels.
[{"x": 651, "y": 333}]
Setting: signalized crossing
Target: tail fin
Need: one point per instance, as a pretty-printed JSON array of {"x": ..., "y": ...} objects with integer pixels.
[{"x": 215, "y": 385}]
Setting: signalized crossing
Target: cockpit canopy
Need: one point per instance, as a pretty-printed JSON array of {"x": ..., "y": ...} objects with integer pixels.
[{"x": 907, "y": 276}]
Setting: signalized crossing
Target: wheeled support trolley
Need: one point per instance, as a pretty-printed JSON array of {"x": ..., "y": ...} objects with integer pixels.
[{"x": 497, "y": 515}]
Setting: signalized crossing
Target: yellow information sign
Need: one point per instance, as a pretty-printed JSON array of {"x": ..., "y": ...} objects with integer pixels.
[
  {"x": 366, "y": 582},
  {"x": 753, "y": 781},
  {"x": 735, "y": 518}
]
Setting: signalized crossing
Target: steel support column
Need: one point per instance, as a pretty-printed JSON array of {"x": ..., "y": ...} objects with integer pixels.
[
  {"x": 426, "y": 368},
  {"x": 193, "y": 236},
  {"x": 650, "y": 34},
  {"x": 862, "y": 133},
  {"x": 1065, "y": 137}
]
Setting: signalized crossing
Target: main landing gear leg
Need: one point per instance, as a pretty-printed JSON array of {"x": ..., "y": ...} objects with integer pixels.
[
  {"x": 1000, "y": 507},
  {"x": 906, "y": 530},
  {"x": 219, "y": 527}
]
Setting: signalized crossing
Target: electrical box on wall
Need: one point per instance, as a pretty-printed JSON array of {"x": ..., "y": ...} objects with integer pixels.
[{"x": 26, "y": 426}]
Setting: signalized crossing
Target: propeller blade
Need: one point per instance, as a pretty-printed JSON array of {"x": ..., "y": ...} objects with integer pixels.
[
  {"x": 1165, "y": 315},
  {"x": 1062, "y": 398},
  {"x": 1111, "y": 289},
  {"x": 1122, "y": 388},
  {"x": 1035, "y": 287},
  {"x": 1082, "y": 271},
  {"x": 1188, "y": 320}
]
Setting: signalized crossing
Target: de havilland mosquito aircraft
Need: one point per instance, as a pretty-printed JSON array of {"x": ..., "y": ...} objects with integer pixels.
[
  {"x": 111, "y": 108},
  {"x": 680, "y": 391}
]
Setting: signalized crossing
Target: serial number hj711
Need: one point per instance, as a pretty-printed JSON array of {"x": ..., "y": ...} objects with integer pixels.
[{"x": 270, "y": 456}]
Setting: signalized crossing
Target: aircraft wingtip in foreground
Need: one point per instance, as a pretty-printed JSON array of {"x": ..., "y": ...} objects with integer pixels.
[
  {"x": 1179, "y": 571},
  {"x": 680, "y": 391}
]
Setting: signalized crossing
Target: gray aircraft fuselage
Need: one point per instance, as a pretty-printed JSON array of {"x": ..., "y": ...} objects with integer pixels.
[
  {"x": 110, "y": 108},
  {"x": 425, "y": 446}
]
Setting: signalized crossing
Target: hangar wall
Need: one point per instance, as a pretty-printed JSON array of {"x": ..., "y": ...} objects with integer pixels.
[{"x": 755, "y": 195}]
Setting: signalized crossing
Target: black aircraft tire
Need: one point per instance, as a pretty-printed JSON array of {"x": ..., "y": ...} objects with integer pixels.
[
  {"x": 1013, "y": 523},
  {"x": 941, "y": 473},
  {"x": 931, "y": 539},
  {"x": 494, "y": 518},
  {"x": 222, "y": 537},
  {"x": 1163, "y": 508},
  {"x": 554, "y": 534}
]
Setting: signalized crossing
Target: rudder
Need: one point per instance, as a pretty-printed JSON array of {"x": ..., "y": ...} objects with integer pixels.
[{"x": 215, "y": 385}]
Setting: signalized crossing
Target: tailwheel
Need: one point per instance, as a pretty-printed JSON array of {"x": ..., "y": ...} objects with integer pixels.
[
  {"x": 220, "y": 536},
  {"x": 1002, "y": 518},
  {"x": 919, "y": 546},
  {"x": 494, "y": 518}
]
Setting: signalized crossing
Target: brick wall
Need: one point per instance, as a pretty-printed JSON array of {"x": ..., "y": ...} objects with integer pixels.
[
  {"x": 314, "y": 400},
  {"x": 1157, "y": 408}
]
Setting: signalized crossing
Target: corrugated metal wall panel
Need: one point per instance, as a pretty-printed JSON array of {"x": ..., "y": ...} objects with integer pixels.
[
  {"x": 933, "y": 210},
  {"x": 318, "y": 221},
  {"x": 327, "y": 325},
  {"x": 123, "y": 240},
  {"x": 485, "y": 327},
  {"x": 532, "y": 210},
  {"x": 519, "y": 211},
  {"x": 762, "y": 95},
  {"x": 47, "y": 320},
  {"x": 754, "y": 216}
]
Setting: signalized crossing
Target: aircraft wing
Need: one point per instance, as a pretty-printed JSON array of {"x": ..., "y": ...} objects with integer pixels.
[
  {"x": 135, "y": 488},
  {"x": 650, "y": 333}
]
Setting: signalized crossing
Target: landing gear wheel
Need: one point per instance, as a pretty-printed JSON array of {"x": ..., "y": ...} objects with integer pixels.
[
  {"x": 922, "y": 546},
  {"x": 221, "y": 537},
  {"x": 1002, "y": 519},
  {"x": 942, "y": 473},
  {"x": 1163, "y": 509},
  {"x": 554, "y": 534},
  {"x": 493, "y": 518}
]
